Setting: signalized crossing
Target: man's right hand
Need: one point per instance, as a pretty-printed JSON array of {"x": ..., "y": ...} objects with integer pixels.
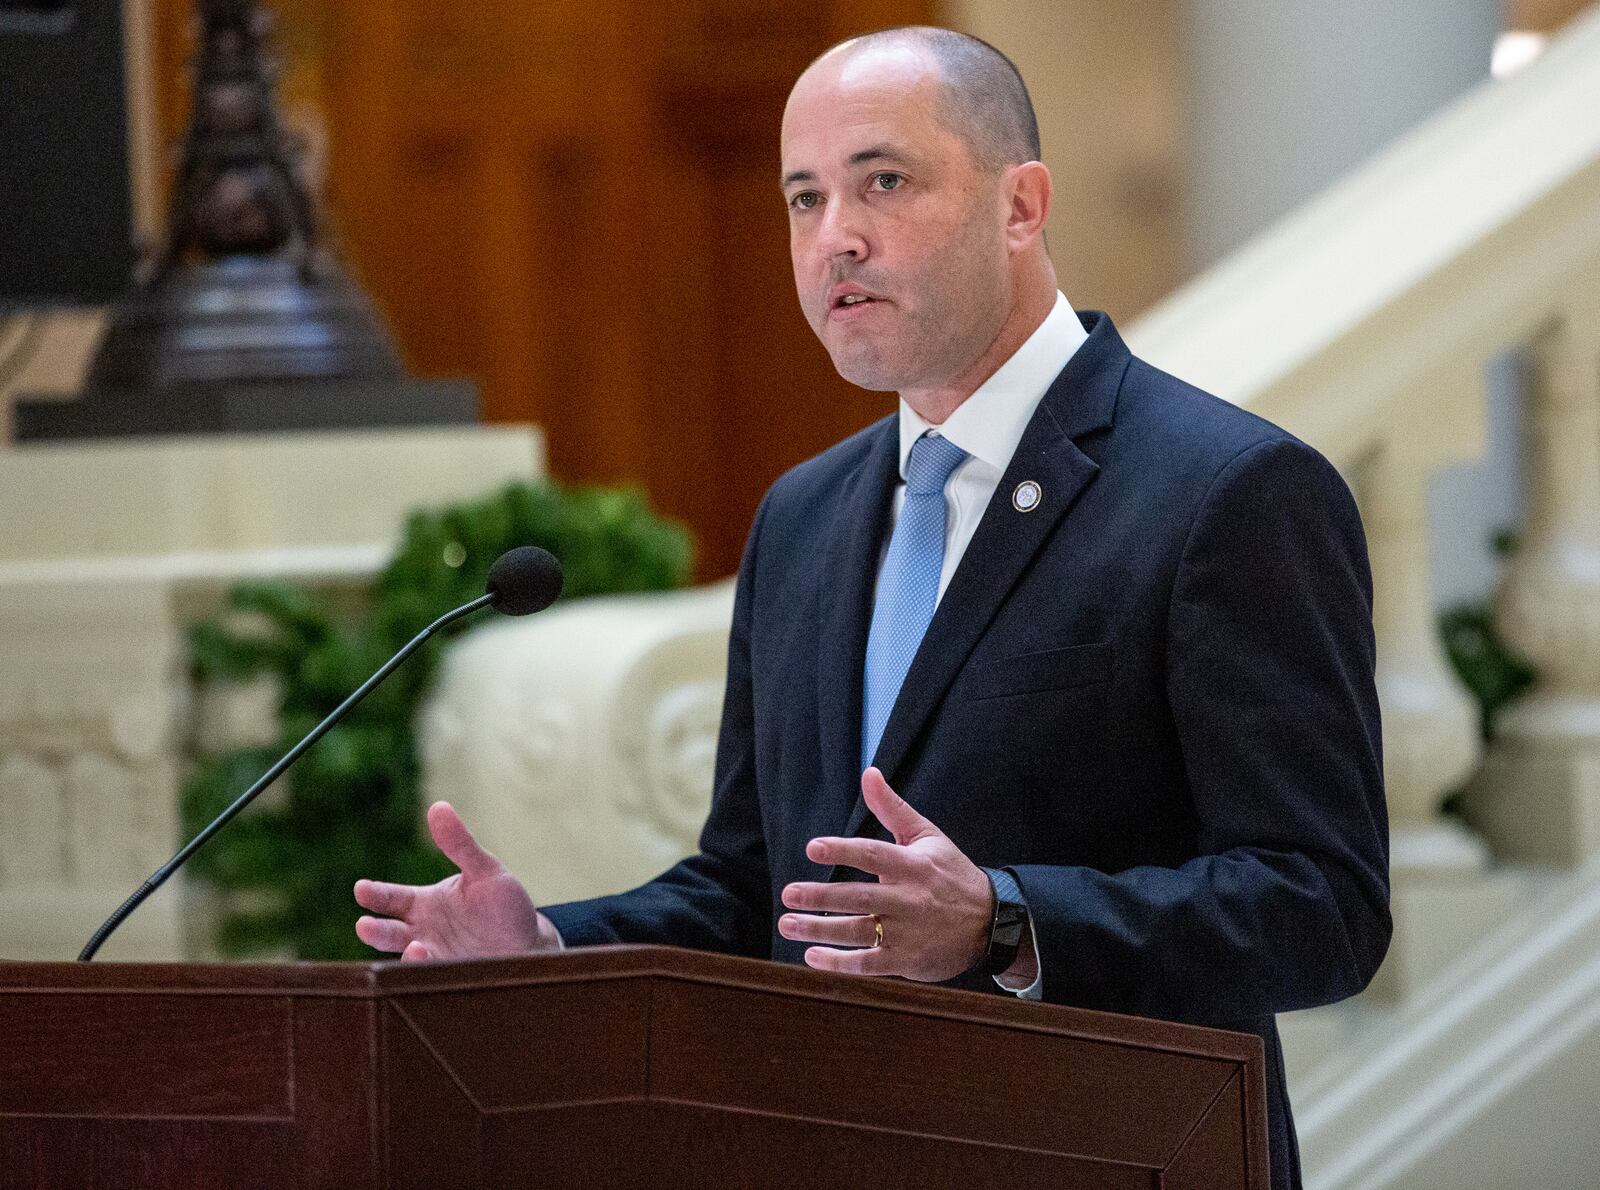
[{"x": 480, "y": 912}]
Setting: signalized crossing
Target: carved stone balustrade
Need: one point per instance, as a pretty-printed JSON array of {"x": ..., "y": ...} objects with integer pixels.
[
  {"x": 1443, "y": 895},
  {"x": 89, "y": 700},
  {"x": 1430, "y": 723},
  {"x": 1538, "y": 795},
  {"x": 579, "y": 744}
]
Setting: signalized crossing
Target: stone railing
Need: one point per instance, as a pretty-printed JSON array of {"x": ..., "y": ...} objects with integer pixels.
[
  {"x": 1376, "y": 323},
  {"x": 580, "y": 743},
  {"x": 107, "y": 552},
  {"x": 1369, "y": 323},
  {"x": 1538, "y": 796}
]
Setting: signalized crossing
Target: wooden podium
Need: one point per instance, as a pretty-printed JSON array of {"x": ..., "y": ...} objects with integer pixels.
[{"x": 614, "y": 1066}]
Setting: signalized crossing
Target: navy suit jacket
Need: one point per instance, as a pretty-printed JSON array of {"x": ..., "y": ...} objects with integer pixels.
[{"x": 1151, "y": 697}]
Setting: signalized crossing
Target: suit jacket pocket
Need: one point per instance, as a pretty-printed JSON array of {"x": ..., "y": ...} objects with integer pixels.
[{"x": 1053, "y": 669}]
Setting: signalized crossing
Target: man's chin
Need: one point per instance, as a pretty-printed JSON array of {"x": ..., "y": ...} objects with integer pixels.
[{"x": 871, "y": 374}]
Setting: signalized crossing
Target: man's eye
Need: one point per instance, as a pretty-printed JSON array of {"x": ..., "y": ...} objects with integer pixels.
[
  {"x": 805, "y": 200},
  {"x": 887, "y": 181}
]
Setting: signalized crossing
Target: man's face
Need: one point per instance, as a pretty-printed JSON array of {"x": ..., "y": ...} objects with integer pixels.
[{"x": 895, "y": 233}]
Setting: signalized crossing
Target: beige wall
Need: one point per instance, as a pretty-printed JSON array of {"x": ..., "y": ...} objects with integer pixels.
[{"x": 1105, "y": 82}]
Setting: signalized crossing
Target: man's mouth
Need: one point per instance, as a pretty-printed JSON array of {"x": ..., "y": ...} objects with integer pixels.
[{"x": 851, "y": 303}]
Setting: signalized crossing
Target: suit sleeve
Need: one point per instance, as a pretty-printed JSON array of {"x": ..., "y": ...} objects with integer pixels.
[
  {"x": 720, "y": 898},
  {"x": 1270, "y": 680}
]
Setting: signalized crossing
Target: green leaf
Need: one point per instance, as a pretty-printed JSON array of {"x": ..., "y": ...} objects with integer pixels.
[{"x": 1487, "y": 666}]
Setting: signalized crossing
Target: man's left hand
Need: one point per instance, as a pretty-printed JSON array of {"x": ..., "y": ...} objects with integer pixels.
[{"x": 935, "y": 905}]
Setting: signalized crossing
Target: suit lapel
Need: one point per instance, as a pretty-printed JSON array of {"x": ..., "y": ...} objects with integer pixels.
[
  {"x": 1081, "y": 399},
  {"x": 847, "y": 579}
]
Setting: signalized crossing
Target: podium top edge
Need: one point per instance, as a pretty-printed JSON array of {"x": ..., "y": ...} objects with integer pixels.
[{"x": 393, "y": 979}]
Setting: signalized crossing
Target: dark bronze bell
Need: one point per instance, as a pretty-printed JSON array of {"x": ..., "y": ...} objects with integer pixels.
[{"x": 244, "y": 289}]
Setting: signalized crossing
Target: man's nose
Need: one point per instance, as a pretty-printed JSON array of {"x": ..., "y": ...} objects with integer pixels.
[{"x": 842, "y": 232}]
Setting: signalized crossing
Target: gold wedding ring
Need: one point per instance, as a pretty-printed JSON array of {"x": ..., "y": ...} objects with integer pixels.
[{"x": 877, "y": 930}]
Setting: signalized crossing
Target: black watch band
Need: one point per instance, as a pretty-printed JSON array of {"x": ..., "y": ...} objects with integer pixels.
[{"x": 1010, "y": 920}]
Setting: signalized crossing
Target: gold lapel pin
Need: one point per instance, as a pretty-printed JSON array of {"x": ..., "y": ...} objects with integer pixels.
[{"x": 1027, "y": 496}]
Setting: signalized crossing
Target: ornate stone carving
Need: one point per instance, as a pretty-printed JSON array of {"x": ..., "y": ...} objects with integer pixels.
[
  {"x": 31, "y": 843},
  {"x": 664, "y": 734},
  {"x": 96, "y": 705},
  {"x": 580, "y": 744},
  {"x": 510, "y": 739},
  {"x": 98, "y": 797}
]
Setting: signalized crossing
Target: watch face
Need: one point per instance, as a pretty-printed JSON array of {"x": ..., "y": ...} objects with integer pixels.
[
  {"x": 1010, "y": 915},
  {"x": 1009, "y": 920}
]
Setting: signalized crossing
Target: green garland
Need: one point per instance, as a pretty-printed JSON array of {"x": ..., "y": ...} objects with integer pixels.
[{"x": 351, "y": 805}]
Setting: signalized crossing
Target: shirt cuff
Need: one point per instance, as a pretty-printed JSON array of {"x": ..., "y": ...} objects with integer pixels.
[
  {"x": 1035, "y": 990},
  {"x": 1005, "y": 880}
]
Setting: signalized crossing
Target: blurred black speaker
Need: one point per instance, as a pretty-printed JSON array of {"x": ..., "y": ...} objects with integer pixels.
[{"x": 66, "y": 216}]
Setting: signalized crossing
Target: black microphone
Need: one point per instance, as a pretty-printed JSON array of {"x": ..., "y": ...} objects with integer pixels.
[{"x": 521, "y": 581}]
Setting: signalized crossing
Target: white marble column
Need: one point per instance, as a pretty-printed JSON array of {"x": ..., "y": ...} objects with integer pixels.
[
  {"x": 1443, "y": 895},
  {"x": 1430, "y": 722},
  {"x": 1538, "y": 797}
]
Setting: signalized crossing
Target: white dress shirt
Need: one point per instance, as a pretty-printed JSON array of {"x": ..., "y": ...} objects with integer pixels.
[{"x": 988, "y": 425}]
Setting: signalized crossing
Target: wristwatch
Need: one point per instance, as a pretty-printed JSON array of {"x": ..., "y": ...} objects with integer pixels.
[{"x": 1010, "y": 916}]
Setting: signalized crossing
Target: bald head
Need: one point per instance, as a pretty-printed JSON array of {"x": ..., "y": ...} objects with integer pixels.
[
  {"x": 917, "y": 206},
  {"x": 983, "y": 99}
]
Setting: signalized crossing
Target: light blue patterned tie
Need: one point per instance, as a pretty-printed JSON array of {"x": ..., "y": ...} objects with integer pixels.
[{"x": 908, "y": 584}]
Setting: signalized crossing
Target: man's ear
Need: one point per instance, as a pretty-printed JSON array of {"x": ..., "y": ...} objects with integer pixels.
[{"x": 1028, "y": 190}]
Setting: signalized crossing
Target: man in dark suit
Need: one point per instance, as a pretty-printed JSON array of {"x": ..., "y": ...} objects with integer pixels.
[{"x": 1072, "y": 661}]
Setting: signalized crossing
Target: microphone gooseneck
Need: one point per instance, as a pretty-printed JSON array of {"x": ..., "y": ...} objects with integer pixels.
[{"x": 521, "y": 581}]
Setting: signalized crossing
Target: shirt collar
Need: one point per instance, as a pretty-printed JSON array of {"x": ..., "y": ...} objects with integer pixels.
[{"x": 989, "y": 424}]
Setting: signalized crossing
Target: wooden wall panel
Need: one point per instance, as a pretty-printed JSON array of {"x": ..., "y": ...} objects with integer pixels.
[
  {"x": 1107, "y": 84},
  {"x": 575, "y": 202},
  {"x": 1544, "y": 16},
  {"x": 434, "y": 177}
]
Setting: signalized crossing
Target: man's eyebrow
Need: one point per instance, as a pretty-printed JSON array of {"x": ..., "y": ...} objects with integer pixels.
[
  {"x": 878, "y": 153},
  {"x": 875, "y": 153}
]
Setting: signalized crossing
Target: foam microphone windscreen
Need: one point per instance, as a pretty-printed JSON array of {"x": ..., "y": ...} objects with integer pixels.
[{"x": 524, "y": 580}]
